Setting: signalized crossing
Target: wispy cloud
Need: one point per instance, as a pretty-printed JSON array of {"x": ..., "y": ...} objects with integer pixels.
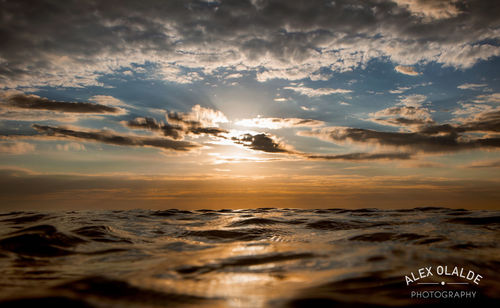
[
  {"x": 399, "y": 90},
  {"x": 471, "y": 86},
  {"x": 70, "y": 146},
  {"x": 362, "y": 156},
  {"x": 113, "y": 138},
  {"x": 280, "y": 99},
  {"x": 485, "y": 164},
  {"x": 487, "y": 98},
  {"x": 414, "y": 100},
  {"x": 277, "y": 123},
  {"x": 316, "y": 92}
]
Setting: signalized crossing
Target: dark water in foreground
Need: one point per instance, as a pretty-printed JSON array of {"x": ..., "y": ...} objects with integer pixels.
[{"x": 244, "y": 258}]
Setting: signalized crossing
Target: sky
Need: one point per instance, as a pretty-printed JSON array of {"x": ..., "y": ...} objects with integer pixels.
[{"x": 238, "y": 104}]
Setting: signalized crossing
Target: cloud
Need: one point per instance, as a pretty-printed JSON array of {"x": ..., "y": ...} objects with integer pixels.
[
  {"x": 308, "y": 108},
  {"x": 180, "y": 124},
  {"x": 172, "y": 131},
  {"x": 54, "y": 45},
  {"x": 261, "y": 142},
  {"x": 70, "y": 146},
  {"x": 267, "y": 143},
  {"x": 493, "y": 98},
  {"x": 316, "y": 92},
  {"x": 10, "y": 114},
  {"x": 414, "y": 100},
  {"x": 113, "y": 138},
  {"x": 198, "y": 116},
  {"x": 234, "y": 76},
  {"x": 280, "y": 99},
  {"x": 108, "y": 100},
  {"x": 486, "y": 122},
  {"x": 407, "y": 113},
  {"x": 468, "y": 110},
  {"x": 278, "y": 123},
  {"x": 34, "y": 102},
  {"x": 484, "y": 164},
  {"x": 430, "y": 10},
  {"x": 424, "y": 141},
  {"x": 471, "y": 86},
  {"x": 362, "y": 156},
  {"x": 402, "y": 116},
  {"x": 16, "y": 147},
  {"x": 407, "y": 70},
  {"x": 399, "y": 90}
]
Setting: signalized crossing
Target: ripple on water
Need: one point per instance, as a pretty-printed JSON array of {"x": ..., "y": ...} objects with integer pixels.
[
  {"x": 243, "y": 234},
  {"x": 245, "y": 261},
  {"x": 101, "y": 234},
  {"x": 41, "y": 241},
  {"x": 25, "y": 218}
]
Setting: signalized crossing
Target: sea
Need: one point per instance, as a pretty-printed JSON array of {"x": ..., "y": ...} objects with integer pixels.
[{"x": 266, "y": 257}]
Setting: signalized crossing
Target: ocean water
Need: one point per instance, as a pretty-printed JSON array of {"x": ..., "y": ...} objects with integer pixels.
[{"x": 246, "y": 258}]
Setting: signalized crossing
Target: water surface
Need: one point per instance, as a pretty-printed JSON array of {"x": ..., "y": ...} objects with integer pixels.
[{"x": 242, "y": 258}]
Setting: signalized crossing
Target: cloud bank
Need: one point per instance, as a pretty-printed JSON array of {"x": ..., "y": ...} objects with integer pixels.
[{"x": 73, "y": 44}]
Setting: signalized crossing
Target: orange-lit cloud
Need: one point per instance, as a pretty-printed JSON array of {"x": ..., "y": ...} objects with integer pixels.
[{"x": 407, "y": 70}]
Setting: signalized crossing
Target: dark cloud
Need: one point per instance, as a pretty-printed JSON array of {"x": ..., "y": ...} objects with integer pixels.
[
  {"x": 485, "y": 122},
  {"x": 261, "y": 142},
  {"x": 175, "y": 131},
  {"x": 72, "y": 43},
  {"x": 426, "y": 135},
  {"x": 115, "y": 139},
  {"x": 416, "y": 141},
  {"x": 215, "y": 131},
  {"x": 265, "y": 143},
  {"x": 181, "y": 119},
  {"x": 362, "y": 156},
  {"x": 34, "y": 102}
]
